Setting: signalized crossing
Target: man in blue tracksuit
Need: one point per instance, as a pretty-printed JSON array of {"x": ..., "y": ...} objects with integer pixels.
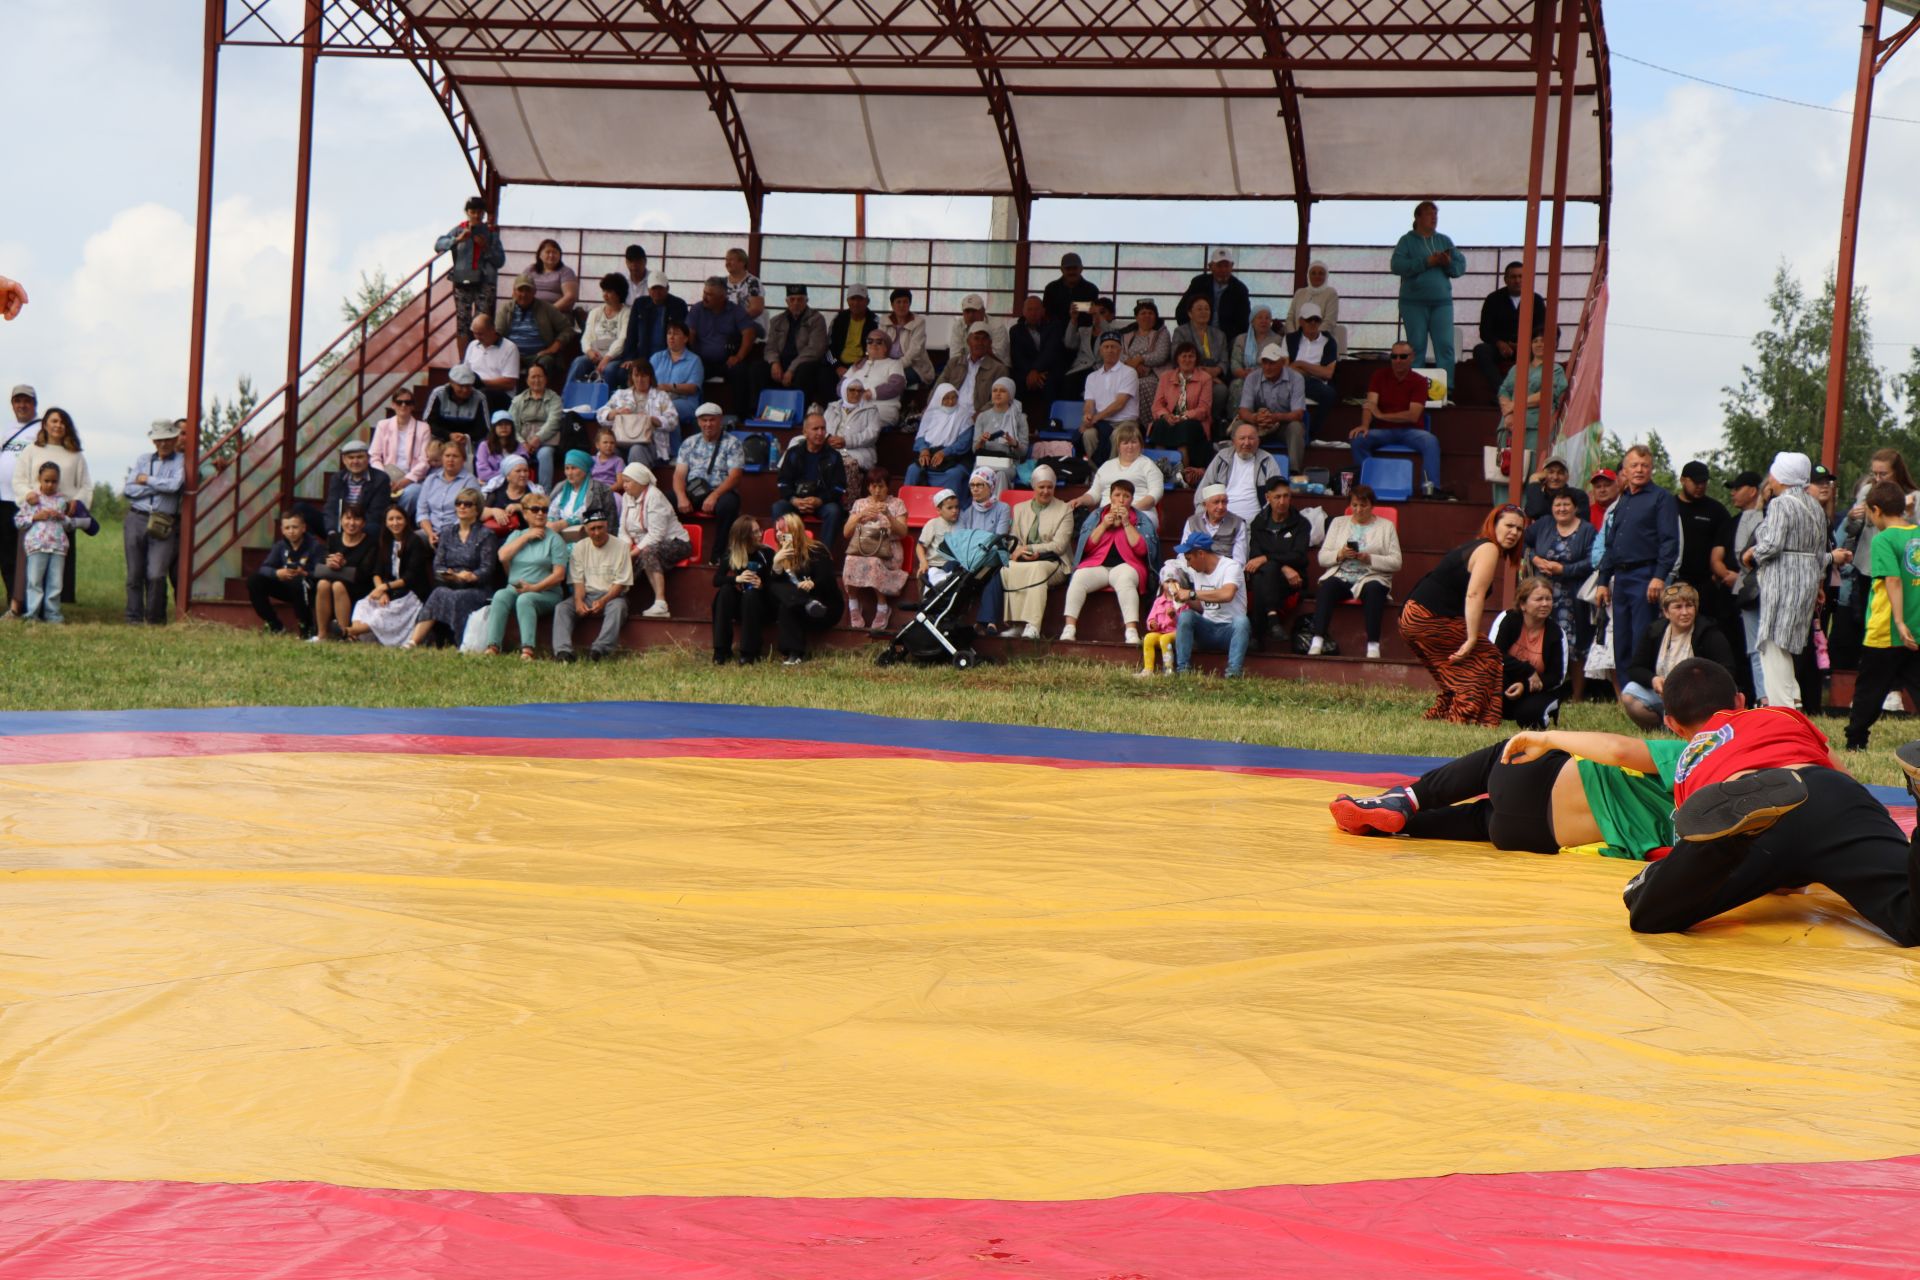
[
  {"x": 1428, "y": 264},
  {"x": 1643, "y": 545}
]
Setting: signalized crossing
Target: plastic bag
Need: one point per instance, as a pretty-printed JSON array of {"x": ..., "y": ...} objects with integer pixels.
[{"x": 474, "y": 638}]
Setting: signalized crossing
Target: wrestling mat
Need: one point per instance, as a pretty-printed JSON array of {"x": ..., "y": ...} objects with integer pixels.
[{"x": 724, "y": 993}]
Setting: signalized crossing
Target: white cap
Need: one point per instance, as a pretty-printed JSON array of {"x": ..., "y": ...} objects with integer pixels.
[
  {"x": 973, "y": 302},
  {"x": 979, "y": 326},
  {"x": 461, "y": 376},
  {"x": 163, "y": 429},
  {"x": 1273, "y": 351},
  {"x": 859, "y": 291},
  {"x": 1213, "y": 491},
  {"x": 23, "y": 390},
  {"x": 1218, "y": 255},
  {"x": 638, "y": 473},
  {"x": 658, "y": 281},
  {"x": 943, "y": 495},
  {"x": 1308, "y": 311},
  {"x": 709, "y": 409}
]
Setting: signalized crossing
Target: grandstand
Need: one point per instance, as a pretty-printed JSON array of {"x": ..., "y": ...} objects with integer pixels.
[{"x": 1307, "y": 103}]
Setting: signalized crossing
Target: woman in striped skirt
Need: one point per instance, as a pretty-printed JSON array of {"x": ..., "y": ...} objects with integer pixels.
[{"x": 1443, "y": 621}]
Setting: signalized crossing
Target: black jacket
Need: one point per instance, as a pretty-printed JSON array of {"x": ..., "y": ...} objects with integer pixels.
[
  {"x": 639, "y": 344},
  {"x": 837, "y": 335},
  {"x": 1059, "y": 297},
  {"x": 416, "y": 565},
  {"x": 1030, "y": 353},
  {"x": 1553, "y": 653},
  {"x": 1500, "y": 319},
  {"x": 376, "y": 495},
  {"x": 831, "y": 477},
  {"x": 1708, "y": 643},
  {"x": 1285, "y": 544},
  {"x": 1234, "y": 315}
]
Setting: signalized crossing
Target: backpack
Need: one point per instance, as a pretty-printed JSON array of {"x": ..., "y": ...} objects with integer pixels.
[{"x": 757, "y": 451}]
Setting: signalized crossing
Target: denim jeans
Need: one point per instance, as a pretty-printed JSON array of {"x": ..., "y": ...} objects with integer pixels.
[
  {"x": 46, "y": 574},
  {"x": 1196, "y": 630}
]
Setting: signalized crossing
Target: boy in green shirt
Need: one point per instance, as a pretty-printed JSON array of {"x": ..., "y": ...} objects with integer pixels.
[{"x": 1890, "y": 654}]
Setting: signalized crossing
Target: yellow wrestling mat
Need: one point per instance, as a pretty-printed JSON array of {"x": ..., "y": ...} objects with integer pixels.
[{"x": 875, "y": 975}]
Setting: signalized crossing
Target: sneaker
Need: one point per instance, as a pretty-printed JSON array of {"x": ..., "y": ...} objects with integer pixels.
[
  {"x": 1381, "y": 815},
  {"x": 1318, "y": 647},
  {"x": 882, "y": 617},
  {"x": 1031, "y": 633},
  {"x": 565, "y": 655},
  {"x": 1012, "y": 631},
  {"x": 856, "y": 619},
  {"x": 1069, "y": 633},
  {"x": 792, "y": 661},
  {"x": 1133, "y": 635},
  {"x": 1144, "y": 673},
  {"x": 658, "y": 609},
  {"x": 313, "y": 639},
  {"x": 1740, "y": 806},
  {"x": 1909, "y": 760},
  {"x": 1373, "y": 649}
]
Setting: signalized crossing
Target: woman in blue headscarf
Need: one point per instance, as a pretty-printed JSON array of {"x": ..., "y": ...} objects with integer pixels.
[{"x": 580, "y": 494}]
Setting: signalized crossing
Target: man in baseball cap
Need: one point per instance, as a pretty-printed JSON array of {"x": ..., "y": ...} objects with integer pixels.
[
  {"x": 707, "y": 475},
  {"x": 1218, "y": 623},
  {"x": 1232, "y": 304},
  {"x": 1602, "y": 488},
  {"x": 1704, "y": 526},
  {"x": 973, "y": 310}
]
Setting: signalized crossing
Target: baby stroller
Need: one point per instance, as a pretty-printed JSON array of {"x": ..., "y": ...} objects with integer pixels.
[{"x": 943, "y": 629}]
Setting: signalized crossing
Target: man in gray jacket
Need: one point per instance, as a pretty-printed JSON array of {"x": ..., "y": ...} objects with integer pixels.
[{"x": 797, "y": 350}]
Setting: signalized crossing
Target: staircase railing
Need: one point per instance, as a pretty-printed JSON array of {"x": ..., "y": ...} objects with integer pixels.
[{"x": 345, "y": 390}]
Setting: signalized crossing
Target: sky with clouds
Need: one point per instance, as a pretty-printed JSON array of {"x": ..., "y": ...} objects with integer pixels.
[{"x": 1713, "y": 190}]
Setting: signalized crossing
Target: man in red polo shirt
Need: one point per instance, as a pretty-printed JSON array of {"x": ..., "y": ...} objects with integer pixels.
[
  {"x": 1603, "y": 488},
  {"x": 1396, "y": 403},
  {"x": 1763, "y": 807}
]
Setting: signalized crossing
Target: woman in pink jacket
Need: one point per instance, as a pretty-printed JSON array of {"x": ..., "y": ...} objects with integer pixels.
[
  {"x": 1116, "y": 557},
  {"x": 401, "y": 447}
]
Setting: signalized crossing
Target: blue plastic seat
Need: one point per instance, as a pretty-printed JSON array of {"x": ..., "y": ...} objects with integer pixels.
[
  {"x": 591, "y": 394},
  {"x": 1391, "y": 479},
  {"x": 793, "y": 402},
  {"x": 1168, "y": 455},
  {"x": 1070, "y": 413},
  {"x": 1280, "y": 459},
  {"x": 1426, "y": 425}
]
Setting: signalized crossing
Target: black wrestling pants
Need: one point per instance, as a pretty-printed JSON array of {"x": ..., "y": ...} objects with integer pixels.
[
  {"x": 1841, "y": 837},
  {"x": 1509, "y": 806}
]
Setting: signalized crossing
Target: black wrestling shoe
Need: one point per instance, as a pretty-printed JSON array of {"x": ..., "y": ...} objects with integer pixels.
[
  {"x": 1739, "y": 806},
  {"x": 1381, "y": 815},
  {"x": 1909, "y": 758}
]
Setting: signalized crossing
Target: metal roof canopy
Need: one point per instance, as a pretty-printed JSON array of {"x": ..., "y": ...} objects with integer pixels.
[{"x": 1299, "y": 100}]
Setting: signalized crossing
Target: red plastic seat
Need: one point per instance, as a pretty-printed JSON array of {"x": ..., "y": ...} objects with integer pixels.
[{"x": 919, "y": 500}]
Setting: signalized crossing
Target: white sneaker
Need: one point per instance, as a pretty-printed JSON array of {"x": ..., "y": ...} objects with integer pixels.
[
  {"x": 1031, "y": 633},
  {"x": 1318, "y": 647},
  {"x": 658, "y": 609},
  {"x": 1144, "y": 673},
  {"x": 313, "y": 639},
  {"x": 1373, "y": 650},
  {"x": 1133, "y": 635},
  {"x": 1012, "y": 631},
  {"x": 1069, "y": 633}
]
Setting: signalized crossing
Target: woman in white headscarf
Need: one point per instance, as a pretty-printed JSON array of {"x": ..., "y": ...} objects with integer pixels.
[
  {"x": 882, "y": 375},
  {"x": 1245, "y": 356},
  {"x": 941, "y": 444},
  {"x": 853, "y": 427},
  {"x": 1320, "y": 294},
  {"x": 1043, "y": 539},
  {"x": 1000, "y": 431},
  {"x": 1791, "y": 551}
]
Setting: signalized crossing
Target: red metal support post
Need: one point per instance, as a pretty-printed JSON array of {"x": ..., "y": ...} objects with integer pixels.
[
  {"x": 1302, "y": 241},
  {"x": 1849, "y": 234},
  {"x": 197, "y": 333},
  {"x": 1530, "y": 248},
  {"x": 1022, "y": 250},
  {"x": 1569, "y": 68},
  {"x": 303, "y": 181}
]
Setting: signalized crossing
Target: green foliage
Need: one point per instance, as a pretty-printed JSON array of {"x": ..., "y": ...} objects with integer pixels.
[
  {"x": 220, "y": 427},
  {"x": 1780, "y": 402},
  {"x": 371, "y": 301},
  {"x": 105, "y": 504}
]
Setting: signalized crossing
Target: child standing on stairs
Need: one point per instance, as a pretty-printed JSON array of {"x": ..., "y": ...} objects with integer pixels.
[{"x": 1156, "y": 643}]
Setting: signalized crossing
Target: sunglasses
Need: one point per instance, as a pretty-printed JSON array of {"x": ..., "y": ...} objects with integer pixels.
[
  {"x": 531, "y": 510},
  {"x": 466, "y": 504},
  {"x": 1397, "y": 356}
]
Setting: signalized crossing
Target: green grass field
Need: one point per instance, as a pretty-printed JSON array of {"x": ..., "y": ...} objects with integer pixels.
[{"x": 96, "y": 663}]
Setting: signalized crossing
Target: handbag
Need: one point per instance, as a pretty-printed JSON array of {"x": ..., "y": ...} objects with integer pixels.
[
  {"x": 159, "y": 526},
  {"x": 473, "y": 638},
  {"x": 870, "y": 538}
]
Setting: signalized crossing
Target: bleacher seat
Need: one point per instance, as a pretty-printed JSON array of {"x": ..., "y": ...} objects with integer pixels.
[
  {"x": 793, "y": 403},
  {"x": 773, "y": 450},
  {"x": 1014, "y": 497},
  {"x": 593, "y": 395},
  {"x": 1391, "y": 479},
  {"x": 693, "y": 545},
  {"x": 1164, "y": 455},
  {"x": 1280, "y": 459},
  {"x": 1069, "y": 413},
  {"x": 919, "y": 500}
]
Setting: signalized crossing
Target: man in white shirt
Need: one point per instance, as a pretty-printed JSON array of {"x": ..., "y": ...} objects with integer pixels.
[
  {"x": 973, "y": 310},
  {"x": 1220, "y": 590},
  {"x": 1244, "y": 469},
  {"x": 1313, "y": 353},
  {"x": 1113, "y": 392},
  {"x": 639, "y": 279},
  {"x": 601, "y": 566},
  {"x": 495, "y": 362}
]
